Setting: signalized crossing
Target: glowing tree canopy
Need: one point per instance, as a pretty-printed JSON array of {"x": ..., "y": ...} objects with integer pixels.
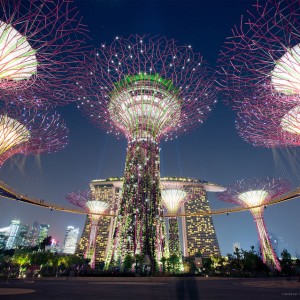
[
  {"x": 41, "y": 45},
  {"x": 173, "y": 196},
  {"x": 94, "y": 207},
  {"x": 172, "y": 199},
  {"x": 146, "y": 88},
  {"x": 264, "y": 50},
  {"x": 264, "y": 122},
  {"x": 29, "y": 131},
  {"x": 258, "y": 192}
]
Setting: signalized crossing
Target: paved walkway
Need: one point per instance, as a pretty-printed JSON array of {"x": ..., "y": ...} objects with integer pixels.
[{"x": 152, "y": 288}]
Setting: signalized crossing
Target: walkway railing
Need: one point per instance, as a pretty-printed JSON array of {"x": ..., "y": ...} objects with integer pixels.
[{"x": 12, "y": 194}]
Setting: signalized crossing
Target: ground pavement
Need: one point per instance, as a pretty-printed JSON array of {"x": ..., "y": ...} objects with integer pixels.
[{"x": 152, "y": 288}]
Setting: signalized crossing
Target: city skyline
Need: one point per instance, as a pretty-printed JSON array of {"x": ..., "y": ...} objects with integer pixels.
[{"x": 213, "y": 152}]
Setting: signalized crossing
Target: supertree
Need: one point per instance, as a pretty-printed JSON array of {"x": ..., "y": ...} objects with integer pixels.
[
  {"x": 173, "y": 196},
  {"x": 94, "y": 207},
  {"x": 263, "y": 51},
  {"x": 146, "y": 88},
  {"x": 29, "y": 131},
  {"x": 256, "y": 193},
  {"x": 259, "y": 70},
  {"x": 41, "y": 45}
]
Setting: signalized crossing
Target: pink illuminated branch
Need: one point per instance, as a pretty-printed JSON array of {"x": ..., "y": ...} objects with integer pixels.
[
  {"x": 29, "y": 131},
  {"x": 41, "y": 45},
  {"x": 150, "y": 81},
  {"x": 263, "y": 51},
  {"x": 266, "y": 121}
]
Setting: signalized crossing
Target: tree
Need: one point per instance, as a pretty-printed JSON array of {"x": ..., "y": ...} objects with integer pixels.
[
  {"x": 45, "y": 242},
  {"x": 286, "y": 262},
  {"x": 139, "y": 259},
  {"x": 20, "y": 258},
  {"x": 174, "y": 261},
  {"x": 163, "y": 261},
  {"x": 128, "y": 262}
]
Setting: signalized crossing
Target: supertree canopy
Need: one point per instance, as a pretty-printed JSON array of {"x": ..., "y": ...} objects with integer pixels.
[
  {"x": 264, "y": 50},
  {"x": 94, "y": 207},
  {"x": 41, "y": 44},
  {"x": 264, "y": 122},
  {"x": 259, "y": 70},
  {"x": 173, "y": 196},
  {"x": 146, "y": 88},
  {"x": 254, "y": 194},
  {"x": 29, "y": 131}
]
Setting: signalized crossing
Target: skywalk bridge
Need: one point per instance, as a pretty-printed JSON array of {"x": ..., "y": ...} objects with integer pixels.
[{"x": 9, "y": 193}]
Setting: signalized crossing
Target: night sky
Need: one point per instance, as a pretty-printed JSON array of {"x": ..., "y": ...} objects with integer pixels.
[{"x": 213, "y": 152}]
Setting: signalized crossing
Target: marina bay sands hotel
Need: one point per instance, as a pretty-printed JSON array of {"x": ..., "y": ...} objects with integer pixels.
[{"x": 197, "y": 233}]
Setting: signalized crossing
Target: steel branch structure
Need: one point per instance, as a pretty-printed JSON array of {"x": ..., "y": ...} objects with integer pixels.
[
  {"x": 94, "y": 207},
  {"x": 253, "y": 192},
  {"x": 264, "y": 51},
  {"x": 146, "y": 88},
  {"x": 263, "y": 120},
  {"x": 28, "y": 131},
  {"x": 41, "y": 45}
]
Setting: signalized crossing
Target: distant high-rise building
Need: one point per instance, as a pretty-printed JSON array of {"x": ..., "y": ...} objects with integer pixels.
[
  {"x": 13, "y": 234},
  {"x": 37, "y": 234},
  {"x": 32, "y": 238},
  {"x": 104, "y": 241},
  {"x": 70, "y": 241},
  {"x": 22, "y": 235},
  {"x": 4, "y": 234}
]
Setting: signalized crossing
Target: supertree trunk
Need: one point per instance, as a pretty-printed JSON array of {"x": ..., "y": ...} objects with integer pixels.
[
  {"x": 174, "y": 242},
  {"x": 267, "y": 252},
  {"x": 141, "y": 212},
  {"x": 91, "y": 250}
]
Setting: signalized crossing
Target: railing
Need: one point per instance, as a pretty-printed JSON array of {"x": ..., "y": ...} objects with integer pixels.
[
  {"x": 37, "y": 202},
  {"x": 40, "y": 202}
]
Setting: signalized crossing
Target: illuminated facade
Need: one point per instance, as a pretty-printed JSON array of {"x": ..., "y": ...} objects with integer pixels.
[
  {"x": 13, "y": 234},
  {"x": 110, "y": 189},
  {"x": 198, "y": 233},
  {"x": 70, "y": 241}
]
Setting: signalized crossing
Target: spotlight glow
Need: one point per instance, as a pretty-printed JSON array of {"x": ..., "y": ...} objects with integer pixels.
[
  {"x": 254, "y": 197},
  {"x": 17, "y": 58},
  {"x": 12, "y": 133},
  {"x": 97, "y": 207},
  {"x": 291, "y": 121},
  {"x": 172, "y": 199},
  {"x": 145, "y": 109}
]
